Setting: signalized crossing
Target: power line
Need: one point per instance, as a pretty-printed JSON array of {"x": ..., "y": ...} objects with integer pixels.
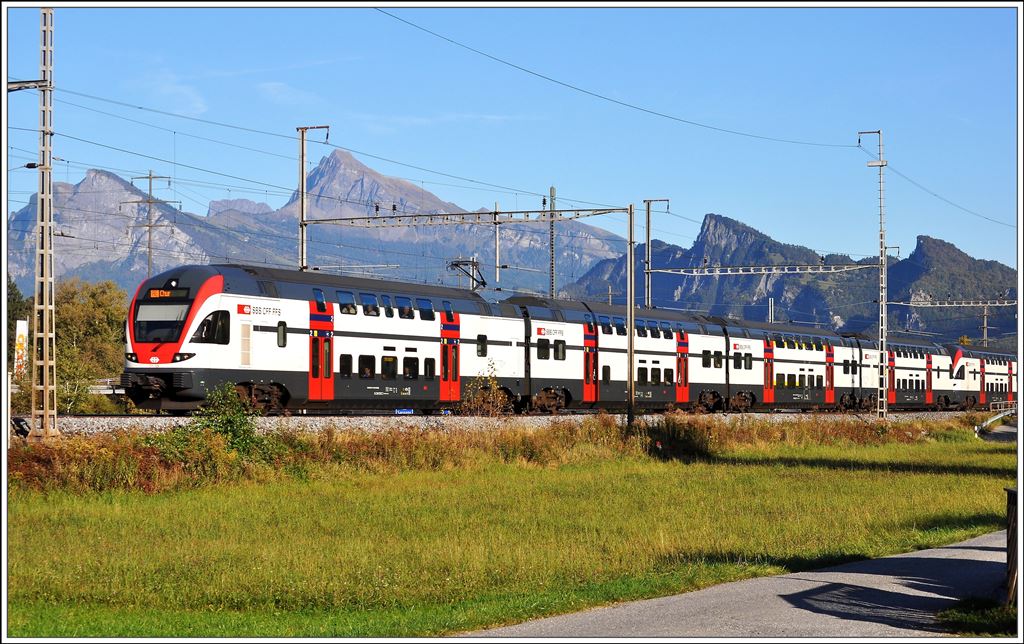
[
  {"x": 608, "y": 98},
  {"x": 938, "y": 196}
]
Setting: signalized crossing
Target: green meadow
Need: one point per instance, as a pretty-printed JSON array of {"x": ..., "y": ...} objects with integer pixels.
[{"x": 421, "y": 533}]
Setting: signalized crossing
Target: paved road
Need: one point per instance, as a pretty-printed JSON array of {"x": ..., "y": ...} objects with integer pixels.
[
  {"x": 894, "y": 596},
  {"x": 1001, "y": 434}
]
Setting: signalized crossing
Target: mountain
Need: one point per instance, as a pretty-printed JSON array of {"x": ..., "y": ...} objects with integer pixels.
[
  {"x": 843, "y": 301},
  {"x": 101, "y": 236}
]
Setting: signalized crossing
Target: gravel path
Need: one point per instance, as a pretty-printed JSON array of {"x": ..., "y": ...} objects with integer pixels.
[{"x": 101, "y": 424}]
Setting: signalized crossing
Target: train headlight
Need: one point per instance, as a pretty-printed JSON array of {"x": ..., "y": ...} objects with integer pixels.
[
  {"x": 178, "y": 357},
  {"x": 131, "y": 357}
]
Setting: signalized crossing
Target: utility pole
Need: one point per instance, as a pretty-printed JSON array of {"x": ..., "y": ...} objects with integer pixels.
[
  {"x": 149, "y": 218},
  {"x": 883, "y": 356},
  {"x": 303, "y": 262},
  {"x": 551, "y": 242},
  {"x": 630, "y": 278},
  {"x": 984, "y": 327},
  {"x": 497, "y": 249},
  {"x": 647, "y": 251},
  {"x": 44, "y": 381},
  {"x": 771, "y": 310}
]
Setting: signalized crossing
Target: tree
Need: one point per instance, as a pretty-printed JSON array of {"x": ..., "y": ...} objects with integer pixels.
[
  {"x": 19, "y": 307},
  {"x": 90, "y": 319}
]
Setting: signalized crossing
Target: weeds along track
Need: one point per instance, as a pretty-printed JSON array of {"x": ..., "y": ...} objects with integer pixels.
[{"x": 85, "y": 425}]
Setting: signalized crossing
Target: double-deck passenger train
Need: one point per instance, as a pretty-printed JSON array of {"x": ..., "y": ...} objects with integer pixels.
[{"x": 309, "y": 341}]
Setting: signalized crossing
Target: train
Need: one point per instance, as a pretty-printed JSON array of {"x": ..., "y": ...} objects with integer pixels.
[{"x": 309, "y": 342}]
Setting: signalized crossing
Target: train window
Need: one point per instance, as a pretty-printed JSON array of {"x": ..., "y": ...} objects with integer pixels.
[
  {"x": 404, "y": 305},
  {"x": 314, "y": 356},
  {"x": 620, "y": 326},
  {"x": 426, "y": 308},
  {"x": 959, "y": 373},
  {"x": 737, "y": 361},
  {"x": 718, "y": 359},
  {"x": 791, "y": 380},
  {"x": 543, "y": 349},
  {"x": 655, "y": 376},
  {"x": 328, "y": 359},
  {"x": 779, "y": 342},
  {"x": 803, "y": 381},
  {"x": 410, "y": 368},
  {"x": 444, "y": 365},
  {"x": 455, "y": 362},
  {"x": 666, "y": 330},
  {"x": 345, "y": 366},
  {"x": 705, "y": 359},
  {"x": 606, "y": 375},
  {"x": 589, "y": 319},
  {"x": 641, "y": 376},
  {"x": 389, "y": 367},
  {"x": 780, "y": 380},
  {"x": 367, "y": 366},
  {"x": 386, "y": 301},
  {"x": 321, "y": 301},
  {"x": 790, "y": 342},
  {"x": 846, "y": 366},
  {"x": 670, "y": 378},
  {"x": 748, "y": 361},
  {"x": 215, "y": 329},
  {"x": 606, "y": 324},
  {"x": 481, "y": 346},
  {"x": 820, "y": 381},
  {"x": 641, "y": 328},
  {"x": 346, "y": 302},
  {"x": 429, "y": 368},
  {"x": 369, "y": 301},
  {"x": 282, "y": 334},
  {"x": 449, "y": 314},
  {"x": 559, "y": 349}
]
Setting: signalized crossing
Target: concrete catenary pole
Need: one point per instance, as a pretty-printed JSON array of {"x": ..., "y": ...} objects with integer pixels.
[
  {"x": 882, "y": 409},
  {"x": 303, "y": 259},
  {"x": 44, "y": 381},
  {"x": 630, "y": 309},
  {"x": 551, "y": 243}
]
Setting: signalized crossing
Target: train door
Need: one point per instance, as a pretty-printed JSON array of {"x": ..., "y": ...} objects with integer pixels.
[
  {"x": 321, "y": 341},
  {"x": 768, "y": 395},
  {"x": 1009, "y": 380},
  {"x": 891, "y": 393},
  {"x": 981, "y": 390},
  {"x": 450, "y": 381},
  {"x": 929, "y": 396},
  {"x": 682, "y": 368},
  {"x": 830, "y": 365},
  {"x": 590, "y": 361},
  {"x": 321, "y": 365}
]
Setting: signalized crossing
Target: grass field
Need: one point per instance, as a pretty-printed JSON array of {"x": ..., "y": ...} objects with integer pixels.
[{"x": 346, "y": 549}]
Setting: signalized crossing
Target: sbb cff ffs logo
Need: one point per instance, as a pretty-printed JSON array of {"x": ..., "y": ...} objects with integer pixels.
[{"x": 245, "y": 309}]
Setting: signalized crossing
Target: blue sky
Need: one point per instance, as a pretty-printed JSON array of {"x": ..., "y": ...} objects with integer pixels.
[{"x": 941, "y": 83}]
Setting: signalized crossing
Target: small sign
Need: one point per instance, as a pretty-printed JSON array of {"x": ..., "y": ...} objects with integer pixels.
[
  {"x": 403, "y": 412},
  {"x": 20, "y": 345}
]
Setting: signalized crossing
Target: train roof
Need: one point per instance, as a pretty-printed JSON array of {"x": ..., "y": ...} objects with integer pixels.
[{"x": 316, "y": 278}]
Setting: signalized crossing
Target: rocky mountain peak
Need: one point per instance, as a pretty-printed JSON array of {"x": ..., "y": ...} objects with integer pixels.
[{"x": 244, "y": 206}]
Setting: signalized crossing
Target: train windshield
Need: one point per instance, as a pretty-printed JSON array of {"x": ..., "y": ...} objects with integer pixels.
[{"x": 159, "y": 322}]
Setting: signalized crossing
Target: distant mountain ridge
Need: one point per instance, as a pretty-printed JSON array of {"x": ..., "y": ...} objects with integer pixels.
[
  {"x": 846, "y": 301},
  {"x": 110, "y": 238}
]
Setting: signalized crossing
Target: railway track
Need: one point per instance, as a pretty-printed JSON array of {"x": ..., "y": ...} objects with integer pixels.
[{"x": 86, "y": 425}]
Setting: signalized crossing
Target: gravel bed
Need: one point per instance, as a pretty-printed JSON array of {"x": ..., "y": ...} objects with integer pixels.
[{"x": 103, "y": 424}]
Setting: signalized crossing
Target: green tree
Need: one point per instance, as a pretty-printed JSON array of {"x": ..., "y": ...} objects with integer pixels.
[
  {"x": 19, "y": 307},
  {"x": 90, "y": 320}
]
